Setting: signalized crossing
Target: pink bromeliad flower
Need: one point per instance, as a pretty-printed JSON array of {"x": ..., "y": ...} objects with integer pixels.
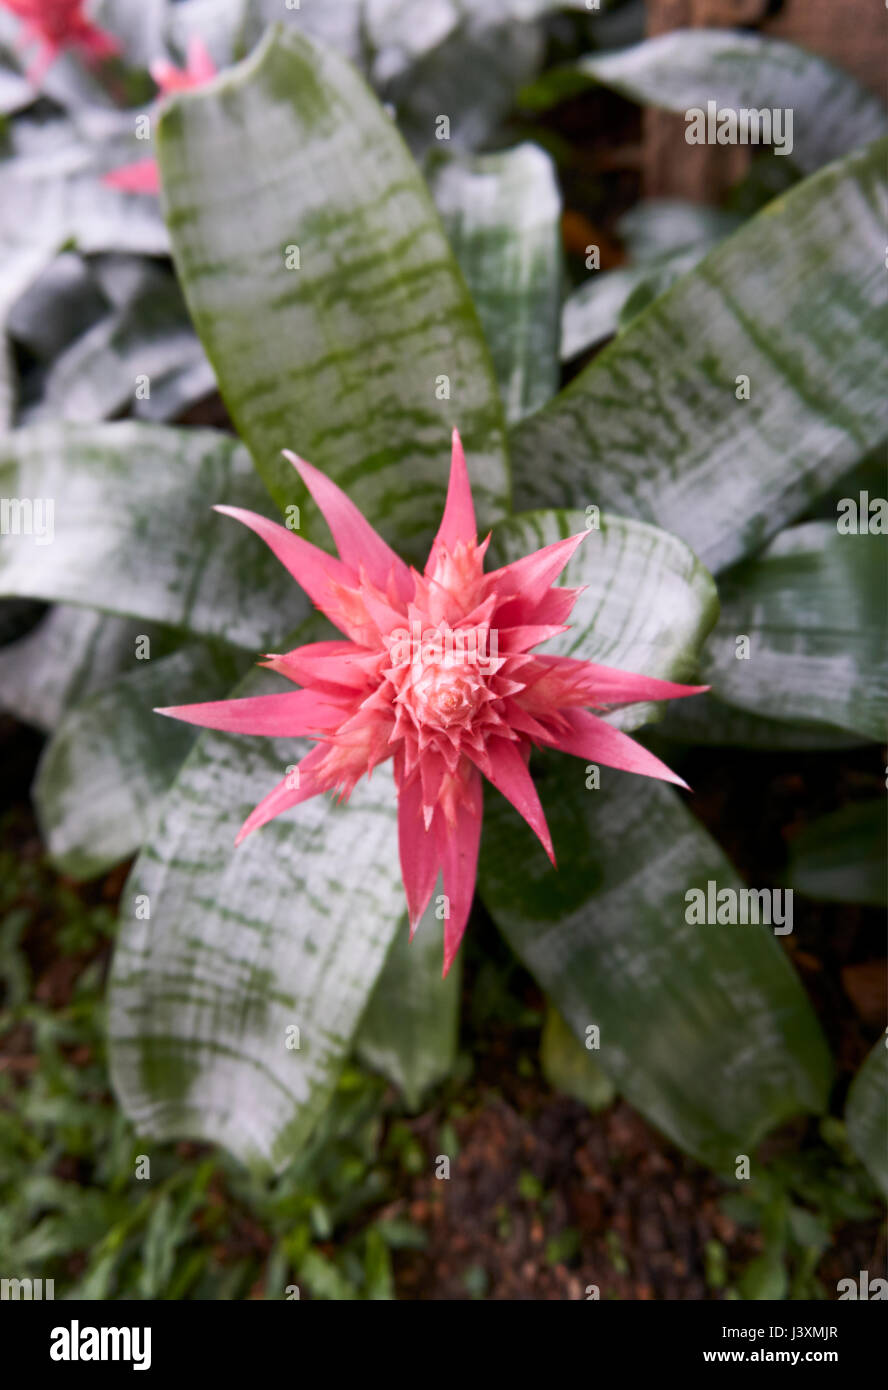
[
  {"x": 437, "y": 672},
  {"x": 59, "y": 24},
  {"x": 142, "y": 176}
]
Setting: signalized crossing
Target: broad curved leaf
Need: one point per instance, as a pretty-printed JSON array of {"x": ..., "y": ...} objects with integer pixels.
[
  {"x": 797, "y": 302},
  {"x": 289, "y": 930},
  {"x": 705, "y": 1029},
  {"x": 102, "y": 775},
  {"x": 133, "y": 533},
  {"x": 831, "y": 113},
  {"x": 340, "y": 358},
  {"x": 647, "y": 602},
  {"x": 813, "y": 608}
]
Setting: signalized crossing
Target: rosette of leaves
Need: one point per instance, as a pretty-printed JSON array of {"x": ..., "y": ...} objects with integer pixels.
[{"x": 244, "y": 978}]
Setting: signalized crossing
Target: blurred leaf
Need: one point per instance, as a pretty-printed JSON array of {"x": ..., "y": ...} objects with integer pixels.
[
  {"x": 704, "y": 1029},
  {"x": 138, "y": 28},
  {"x": 813, "y": 607},
  {"x": 465, "y": 61},
  {"x": 656, "y": 228},
  {"x": 647, "y": 602},
  {"x": 146, "y": 344},
  {"x": 55, "y": 185},
  {"x": 796, "y": 300},
  {"x": 290, "y": 929},
  {"x": 832, "y": 113},
  {"x": 102, "y": 775},
  {"x": 502, "y": 213},
  {"x": 71, "y": 653},
  {"x": 866, "y": 1115},
  {"x": 60, "y": 304},
  {"x": 841, "y": 857},
  {"x": 379, "y": 1283},
  {"x": 134, "y": 533},
  {"x": 409, "y": 1032},
  {"x": 20, "y": 266},
  {"x": 569, "y": 1066},
  {"x": 706, "y": 720},
  {"x": 765, "y": 1278},
  {"x": 664, "y": 239},
  {"x": 341, "y": 357}
]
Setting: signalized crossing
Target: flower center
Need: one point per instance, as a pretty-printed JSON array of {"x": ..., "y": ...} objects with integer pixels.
[
  {"x": 440, "y": 674},
  {"x": 445, "y": 693}
]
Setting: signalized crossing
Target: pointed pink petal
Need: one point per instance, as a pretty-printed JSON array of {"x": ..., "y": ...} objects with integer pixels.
[
  {"x": 459, "y": 860},
  {"x": 167, "y": 76},
  {"x": 200, "y": 66},
  {"x": 521, "y": 639},
  {"x": 293, "y": 714},
  {"x": 418, "y": 851},
  {"x": 284, "y": 795},
  {"x": 507, "y": 770},
  {"x": 533, "y": 574},
  {"x": 591, "y": 738},
  {"x": 608, "y": 685},
  {"x": 312, "y": 568},
  {"x": 333, "y": 663},
  {"x": 458, "y": 522},
  {"x": 353, "y": 534},
  {"x": 140, "y": 177}
]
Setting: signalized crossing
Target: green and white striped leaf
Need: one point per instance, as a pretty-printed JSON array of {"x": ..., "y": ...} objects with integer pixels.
[
  {"x": 340, "y": 358},
  {"x": 502, "y": 213},
  {"x": 831, "y": 113},
  {"x": 103, "y": 774},
  {"x": 705, "y": 1029},
  {"x": 410, "y": 1030},
  {"x": 840, "y": 857},
  {"x": 288, "y": 931},
  {"x": 133, "y": 532},
  {"x": 866, "y": 1115},
  {"x": 70, "y": 654},
  {"x": 813, "y": 607},
  {"x": 797, "y": 301},
  {"x": 647, "y": 602}
]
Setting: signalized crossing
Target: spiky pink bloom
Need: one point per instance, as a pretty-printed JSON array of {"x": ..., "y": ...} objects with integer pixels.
[
  {"x": 59, "y": 24},
  {"x": 436, "y": 672},
  {"x": 143, "y": 176}
]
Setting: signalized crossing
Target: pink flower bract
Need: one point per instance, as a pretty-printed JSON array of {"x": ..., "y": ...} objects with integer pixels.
[
  {"x": 58, "y": 24},
  {"x": 437, "y": 672},
  {"x": 142, "y": 176}
]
